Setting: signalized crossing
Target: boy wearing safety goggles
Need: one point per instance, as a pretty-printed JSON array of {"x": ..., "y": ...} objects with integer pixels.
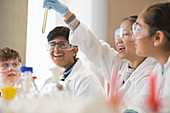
[
  {"x": 81, "y": 81},
  {"x": 10, "y": 61}
]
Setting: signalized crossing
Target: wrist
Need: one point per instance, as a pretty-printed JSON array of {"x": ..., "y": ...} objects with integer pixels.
[
  {"x": 68, "y": 15},
  {"x": 65, "y": 12}
]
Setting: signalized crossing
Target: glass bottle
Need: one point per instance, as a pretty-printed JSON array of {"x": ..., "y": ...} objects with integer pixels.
[{"x": 25, "y": 85}]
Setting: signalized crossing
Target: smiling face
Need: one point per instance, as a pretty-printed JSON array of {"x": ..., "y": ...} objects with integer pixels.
[
  {"x": 126, "y": 49},
  {"x": 9, "y": 72},
  {"x": 62, "y": 57}
]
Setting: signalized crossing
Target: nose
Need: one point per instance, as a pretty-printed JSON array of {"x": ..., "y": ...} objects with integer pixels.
[
  {"x": 119, "y": 40},
  {"x": 11, "y": 68},
  {"x": 56, "y": 47}
]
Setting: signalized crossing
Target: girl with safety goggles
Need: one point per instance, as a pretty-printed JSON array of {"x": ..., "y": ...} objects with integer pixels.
[{"x": 152, "y": 39}]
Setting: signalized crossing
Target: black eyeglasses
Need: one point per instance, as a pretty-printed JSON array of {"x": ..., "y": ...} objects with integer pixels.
[{"x": 61, "y": 45}]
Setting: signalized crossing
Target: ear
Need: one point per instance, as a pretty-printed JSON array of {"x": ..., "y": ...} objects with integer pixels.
[
  {"x": 75, "y": 50},
  {"x": 159, "y": 37}
]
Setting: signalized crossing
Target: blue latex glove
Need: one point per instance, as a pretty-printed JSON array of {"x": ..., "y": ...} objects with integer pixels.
[{"x": 56, "y": 5}]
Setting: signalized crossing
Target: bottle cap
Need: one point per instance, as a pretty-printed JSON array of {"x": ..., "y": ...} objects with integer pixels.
[
  {"x": 24, "y": 68},
  {"x": 34, "y": 77}
]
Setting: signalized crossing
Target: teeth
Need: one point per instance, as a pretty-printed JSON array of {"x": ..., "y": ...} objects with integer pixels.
[
  {"x": 120, "y": 48},
  {"x": 56, "y": 55}
]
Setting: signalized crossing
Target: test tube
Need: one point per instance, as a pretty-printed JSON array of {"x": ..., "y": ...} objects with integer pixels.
[{"x": 44, "y": 21}]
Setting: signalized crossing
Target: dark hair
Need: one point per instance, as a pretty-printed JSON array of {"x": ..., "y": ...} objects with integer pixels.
[
  {"x": 158, "y": 16},
  {"x": 58, "y": 31},
  {"x": 132, "y": 19},
  {"x": 7, "y": 53}
]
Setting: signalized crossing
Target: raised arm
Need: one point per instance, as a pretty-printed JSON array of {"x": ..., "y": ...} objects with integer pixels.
[{"x": 100, "y": 54}]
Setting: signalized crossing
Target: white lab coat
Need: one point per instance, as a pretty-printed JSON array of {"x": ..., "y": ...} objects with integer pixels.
[
  {"x": 90, "y": 66},
  {"x": 83, "y": 82},
  {"x": 162, "y": 88},
  {"x": 107, "y": 61}
]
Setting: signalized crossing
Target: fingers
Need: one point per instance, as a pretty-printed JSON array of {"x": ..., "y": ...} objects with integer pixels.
[
  {"x": 47, "y": 2},
  {"x": 49, "y": 5},
  {"x": 44, "y": 3}
]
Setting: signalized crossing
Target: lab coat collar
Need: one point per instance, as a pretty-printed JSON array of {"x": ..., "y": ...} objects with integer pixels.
[
  {"x": 167, "y": 64},
  {"x": 72, "y": 76},
  {"x": 147, "y": 62},
  {"x": 158, "y": 70},
  {"x": 165, "y": 67},
  {"x": 67, "y": 72}
]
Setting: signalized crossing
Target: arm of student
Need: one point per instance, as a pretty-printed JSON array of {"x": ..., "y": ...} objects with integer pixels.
[{"x": 100, "y": 54}]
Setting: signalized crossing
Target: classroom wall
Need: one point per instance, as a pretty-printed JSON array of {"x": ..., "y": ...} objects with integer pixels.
[{"x": 13, "y": 25}]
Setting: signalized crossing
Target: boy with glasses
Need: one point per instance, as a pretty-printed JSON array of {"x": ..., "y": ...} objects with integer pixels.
[{"x": 81, "y": 81}]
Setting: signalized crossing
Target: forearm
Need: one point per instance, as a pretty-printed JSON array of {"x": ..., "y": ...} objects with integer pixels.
[{"x": 68, "y": 15}]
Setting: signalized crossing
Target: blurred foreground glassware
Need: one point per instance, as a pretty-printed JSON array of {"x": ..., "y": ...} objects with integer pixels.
[
  {"x": 26, "y": 87},
  {"x": 8, "y": 94},
  {"x": 53, "y": 87}
]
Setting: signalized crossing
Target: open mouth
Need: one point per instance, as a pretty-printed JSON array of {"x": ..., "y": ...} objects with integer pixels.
[
  {"x": 57, "y": 56},
  {"x": 11, "y": 75},
  {"x": 121, "y": 49}
]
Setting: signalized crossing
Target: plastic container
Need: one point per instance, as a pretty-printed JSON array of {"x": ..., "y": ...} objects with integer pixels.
[{"x": 25, "y": 85}]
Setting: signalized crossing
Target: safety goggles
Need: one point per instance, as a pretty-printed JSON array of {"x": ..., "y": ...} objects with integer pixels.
[
  {"x": 141, "y": 31},
  {"x": 123, "y": 34},
  {"x": 10, "y": 65},
  {"x": 63, "y": 45}
]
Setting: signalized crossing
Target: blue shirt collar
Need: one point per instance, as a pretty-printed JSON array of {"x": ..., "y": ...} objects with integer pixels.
[{"x": 67, "y": 72}]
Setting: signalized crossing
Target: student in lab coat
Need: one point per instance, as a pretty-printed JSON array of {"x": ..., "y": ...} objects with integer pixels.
[
  {"x": 152, "y": 34},
  {"x": 10, "y": 61},
  {"x": 80, "y": 81},
  {"x": 132, "y": 70}
]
